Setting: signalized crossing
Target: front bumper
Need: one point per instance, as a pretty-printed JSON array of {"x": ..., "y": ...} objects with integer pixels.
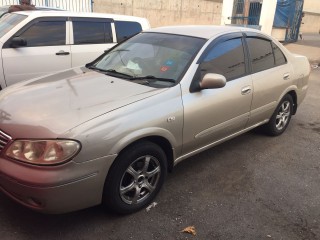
[{"x": 55, "y": 189}]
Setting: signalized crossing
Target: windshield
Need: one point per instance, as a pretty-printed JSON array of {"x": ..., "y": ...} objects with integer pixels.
[
  {"x": 8, "y": 21},
  {"x": 155, "y": 57}
]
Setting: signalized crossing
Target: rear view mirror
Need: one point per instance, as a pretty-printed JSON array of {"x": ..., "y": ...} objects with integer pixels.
[
  {"x": 212, "y": 80},
  {"x": 18, "y": 42}
]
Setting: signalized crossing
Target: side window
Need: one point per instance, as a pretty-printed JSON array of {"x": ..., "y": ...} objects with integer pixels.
[
  {"x": 261, "y": 54},
  {"x": 226, "y": 58},
  {"x": 125, "y": 29},
  {"x": 90, "y": 32},
  {"x": 45, "y": 33},
  {"x": 279, "y": 57}
]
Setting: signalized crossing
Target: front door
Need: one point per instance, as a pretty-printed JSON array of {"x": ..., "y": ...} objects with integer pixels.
[
  {"x": 213, "y": 114},
  {"x": 45, "y": 51}
]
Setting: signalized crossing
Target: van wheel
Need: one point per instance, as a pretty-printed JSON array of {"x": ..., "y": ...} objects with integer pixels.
[
  {"x": 135, "y": 178},
  {"x": 280, "y": 118}
]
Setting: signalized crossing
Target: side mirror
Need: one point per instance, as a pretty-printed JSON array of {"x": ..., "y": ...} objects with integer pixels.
[
  {"x": 212, "y": 80},
  {"x": 18, "y": 42}
]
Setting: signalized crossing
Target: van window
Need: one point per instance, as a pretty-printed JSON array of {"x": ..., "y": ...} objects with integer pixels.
[
  {"x": 90, "y": 32},
  {"x": 126, "y": 29},
  {"x": 45, "y": 33}
]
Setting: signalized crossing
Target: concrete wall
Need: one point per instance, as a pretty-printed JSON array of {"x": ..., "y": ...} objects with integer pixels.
[
  {"x": 165, "y": 12},
  {"x": 311, "y": 20}
]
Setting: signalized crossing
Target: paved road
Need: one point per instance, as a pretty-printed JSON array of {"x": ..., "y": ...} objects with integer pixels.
[{"x": 252, "y": 187}]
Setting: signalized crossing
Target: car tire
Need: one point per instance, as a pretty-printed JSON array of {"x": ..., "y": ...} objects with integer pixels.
[
  {"x": 135, "y": 178},
  {"x": 281, "y": 117}
]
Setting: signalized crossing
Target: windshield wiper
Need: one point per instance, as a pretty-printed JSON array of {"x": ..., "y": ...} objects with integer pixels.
[
  {"x": 92, "y": 67},
  {"x": 120, "y": 50},
  {"x": 113, "y": 72},
  {"x": 116, "y": 73},
  {"x": 154, "y": 78}
]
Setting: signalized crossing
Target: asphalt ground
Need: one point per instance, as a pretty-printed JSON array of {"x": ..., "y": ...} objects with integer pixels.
[{"x": 251, "y": 187}]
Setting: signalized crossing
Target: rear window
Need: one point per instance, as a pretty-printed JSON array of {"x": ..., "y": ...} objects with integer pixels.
[
  {"x": 261, "y": 54},
  {"x": 126, "y": 29},
  {"x": 279, "y": 57},
  {"x": 91, "y": 32}
]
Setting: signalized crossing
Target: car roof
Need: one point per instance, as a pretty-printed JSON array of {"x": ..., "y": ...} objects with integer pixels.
[
  {"x": 201, "y": 31},
  {"x": 39, "y": 13}
]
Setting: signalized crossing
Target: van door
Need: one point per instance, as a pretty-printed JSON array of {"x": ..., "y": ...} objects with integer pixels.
[
  {"x": 42, "y": 50},
  {"x": 90, "y": 38}
]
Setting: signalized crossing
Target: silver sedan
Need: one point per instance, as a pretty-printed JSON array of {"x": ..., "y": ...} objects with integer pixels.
[{"x": 110, "y": 132}]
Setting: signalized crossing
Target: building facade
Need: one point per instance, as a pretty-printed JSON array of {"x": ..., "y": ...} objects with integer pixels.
[
  {"x": 253, "y": 13},
  {"x": 164, "y": 12}
]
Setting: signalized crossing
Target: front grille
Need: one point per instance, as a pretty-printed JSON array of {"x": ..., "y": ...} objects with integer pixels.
[{"x": 4, "y": 140}]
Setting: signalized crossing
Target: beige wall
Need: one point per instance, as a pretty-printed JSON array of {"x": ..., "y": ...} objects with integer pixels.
[
  {"x": 311, "y": 23},
  {"x": 165, "y": 12},
  {"x": 311, "y": 20},
  {"x": 311, "y": 5}
]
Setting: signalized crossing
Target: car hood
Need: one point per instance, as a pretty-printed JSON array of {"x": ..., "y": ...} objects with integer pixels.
[{"x": 51, "y": 105}]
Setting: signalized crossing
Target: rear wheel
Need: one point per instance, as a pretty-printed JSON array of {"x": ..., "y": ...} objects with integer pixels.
[
  {"x": 135, "y": 178},
  {"x": 280, "y": 118}
]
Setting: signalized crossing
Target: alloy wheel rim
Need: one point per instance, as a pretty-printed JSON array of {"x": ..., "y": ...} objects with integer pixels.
[
  {"x": 140, "y": 180},
  {"x": 283, "y": 115}
]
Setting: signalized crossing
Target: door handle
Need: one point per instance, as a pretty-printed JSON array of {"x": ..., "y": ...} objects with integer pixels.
[
  {"x": 61, "y": 52},
  {"x": 246, "y": 90},
  {"x": 286, "y": 76}
]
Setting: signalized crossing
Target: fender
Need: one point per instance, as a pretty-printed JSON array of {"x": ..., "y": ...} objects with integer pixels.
[{"x": 144, "y": 133}]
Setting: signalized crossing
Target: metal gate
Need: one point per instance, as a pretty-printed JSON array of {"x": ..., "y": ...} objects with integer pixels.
[
  {"x": 294, "y": 21},
  {"x": 72, "y": 5},
  {"x": 246, "y": 13},
  {"x": 288, "y": 16}
]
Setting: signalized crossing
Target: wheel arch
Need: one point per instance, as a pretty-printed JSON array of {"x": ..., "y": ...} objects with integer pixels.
[
  {"x": 292, "y": 91},
  {"x": 162, "y": 142},
  {"x": 163, "y": 138},
  {"x": 293, "y": 94}
]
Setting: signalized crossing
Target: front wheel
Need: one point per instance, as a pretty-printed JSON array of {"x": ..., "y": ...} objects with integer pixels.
[
  {"x": 281, "y": 117},
  {"x": 135, "y": 178}
]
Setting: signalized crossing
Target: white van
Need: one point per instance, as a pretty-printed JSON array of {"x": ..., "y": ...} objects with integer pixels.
[{"x": 36, "y": 43}]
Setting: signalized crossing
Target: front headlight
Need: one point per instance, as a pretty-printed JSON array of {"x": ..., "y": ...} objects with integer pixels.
[{"x": 44, "y": 152}]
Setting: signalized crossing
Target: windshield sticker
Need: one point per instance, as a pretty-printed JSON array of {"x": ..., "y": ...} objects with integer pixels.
[
  {"x": 169, "y": 63},
  {"x": 164, "y": 68}
]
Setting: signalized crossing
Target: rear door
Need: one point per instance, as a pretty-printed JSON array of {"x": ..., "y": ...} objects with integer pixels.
[
  {"x": 45, "y": 50},
  {"x": 271, "y": 76},
  {"x": 90, "y": 38}
]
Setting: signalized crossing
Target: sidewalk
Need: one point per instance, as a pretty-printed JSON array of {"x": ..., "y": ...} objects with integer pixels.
[{"x": 309, "y": 46}]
